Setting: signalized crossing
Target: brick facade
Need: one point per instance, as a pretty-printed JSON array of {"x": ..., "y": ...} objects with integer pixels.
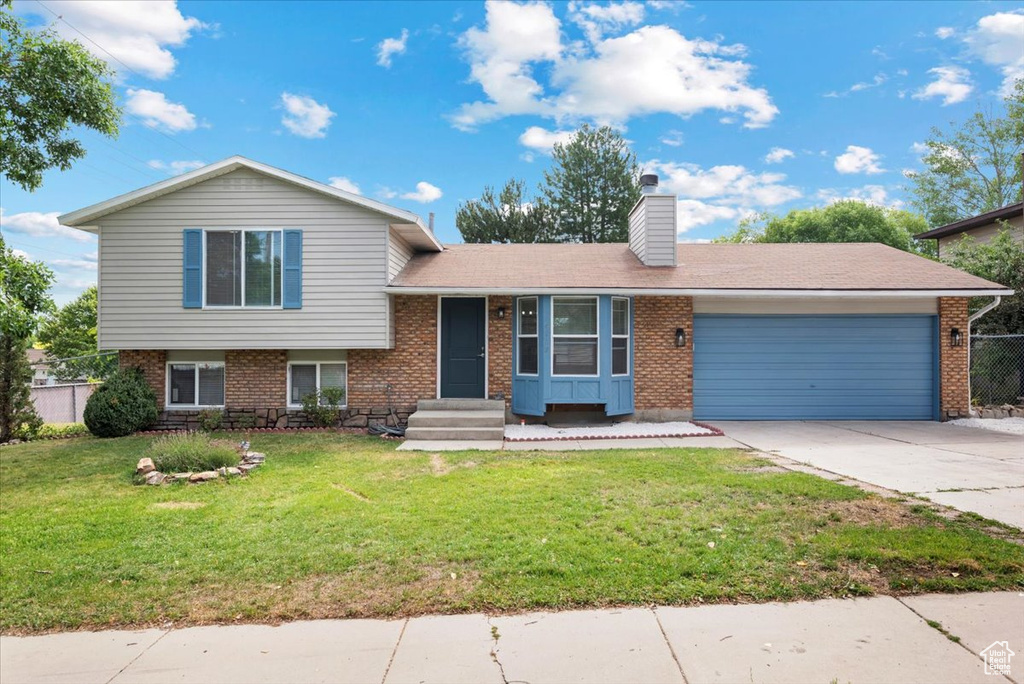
[
  {"x": 662, "y": 372},
  {"x": 410, "y": 368},
  {"x": 255, "y": 378},
  {"x": 954, "y": 380},
  {"x": 153, "y": 363},
  {"x": 499, "y": 348}
]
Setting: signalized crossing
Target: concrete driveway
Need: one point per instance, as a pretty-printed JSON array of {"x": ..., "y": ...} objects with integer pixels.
[{"x": 967, "y": 468}]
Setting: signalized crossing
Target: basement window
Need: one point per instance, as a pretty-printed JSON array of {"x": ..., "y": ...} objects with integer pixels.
[{"x": 195, "y": 384}]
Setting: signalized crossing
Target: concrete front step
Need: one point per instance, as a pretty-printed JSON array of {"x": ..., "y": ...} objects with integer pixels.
[
  {"x": 455, "y": 433},
  {"x": 460, "y": 405},
  {"x": 457, "y": 419}
]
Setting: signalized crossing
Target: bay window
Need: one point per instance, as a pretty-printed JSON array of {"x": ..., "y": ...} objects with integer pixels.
[
  {"x": 306, "y": 378},
  {"x": 195, "y": 384},
  {"x": 243, "y": 268},
  {"x": 526, "y": 312},
  {"x": 574, "y": 336}
]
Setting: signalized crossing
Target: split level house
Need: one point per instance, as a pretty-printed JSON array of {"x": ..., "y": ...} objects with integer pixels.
[
  {"x": 244, "y": 287},
  {"x": 981, "y": 228}
]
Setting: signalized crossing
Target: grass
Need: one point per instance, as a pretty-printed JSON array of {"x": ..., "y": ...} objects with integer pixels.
[
  {"x": 192, "y": 452},
  {"x": 335, "y": 526}
]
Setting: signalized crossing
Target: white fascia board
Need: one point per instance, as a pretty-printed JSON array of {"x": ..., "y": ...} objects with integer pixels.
[
  {"x": 838, "y": 294},
  {"x": 82, "y": 217}
]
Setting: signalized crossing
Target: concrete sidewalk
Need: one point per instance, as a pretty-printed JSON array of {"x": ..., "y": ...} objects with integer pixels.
[{"x": 879, "y": 639}]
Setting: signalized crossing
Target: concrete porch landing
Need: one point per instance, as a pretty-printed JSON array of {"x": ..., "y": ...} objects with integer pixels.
[{"x": 461, "y": 420}]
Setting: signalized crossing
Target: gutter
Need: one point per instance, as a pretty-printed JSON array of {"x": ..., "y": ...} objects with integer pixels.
[
  {"x": 970, "y": 319},
  {"x": 690, "y": 292}
]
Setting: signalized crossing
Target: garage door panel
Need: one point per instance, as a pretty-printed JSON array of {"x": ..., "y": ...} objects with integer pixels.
[{"x": 814, "y": 367}]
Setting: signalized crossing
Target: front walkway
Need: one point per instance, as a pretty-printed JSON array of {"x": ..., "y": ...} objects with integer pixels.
[
  {"x": 881, "y": 639},
  {"x": 969, "y": 469}
]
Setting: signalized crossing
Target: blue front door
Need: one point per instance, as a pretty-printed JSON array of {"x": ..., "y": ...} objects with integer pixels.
[{"x": 463, "y": 347}]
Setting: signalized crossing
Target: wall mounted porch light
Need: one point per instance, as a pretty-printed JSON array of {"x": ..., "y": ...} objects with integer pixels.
[
  {"x": 500, "y": 312},
  {"x": 680, "y": 337},
  {"x": 956, "y": 339}
]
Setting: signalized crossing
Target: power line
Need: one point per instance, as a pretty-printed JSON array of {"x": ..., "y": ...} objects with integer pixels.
[
  {"x": 113, "y": 57},
  {"x": 48, "y": 249}
]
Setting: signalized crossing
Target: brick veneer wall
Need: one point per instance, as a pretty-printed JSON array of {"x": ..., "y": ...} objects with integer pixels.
[
  {"x": 153, "y": 363},
  {"x": 662, "y": 372},
  {"x": 255, "y": 378},
  {"x": 954, "y": 377},
  {"x": 499, "y": 348},
  {"x": 410, "y": 368}
]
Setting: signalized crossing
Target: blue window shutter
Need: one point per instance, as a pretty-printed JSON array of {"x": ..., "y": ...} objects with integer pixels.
[
  {"x": 292, "y": 286},
  {"x": 192, "y": 269}
]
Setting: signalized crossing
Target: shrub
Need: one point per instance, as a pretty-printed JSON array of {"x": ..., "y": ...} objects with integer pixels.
[
  {"x": 323, "y": 407},
  {"x": 211, "y": 419},
  {"x": 192, "y": 452},
  {"x": 61, "y": 430},
  {"x": 123, "y": 404},
  {"x": 246, "y": 421}
]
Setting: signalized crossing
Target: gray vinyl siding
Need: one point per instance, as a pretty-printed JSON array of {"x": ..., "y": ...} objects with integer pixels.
[
  {"x": 985, "y": 234},
  {"x": 345, "y": 265},
  {"x": 652, "y": 230},
  {"x": 637, "y": 231},
  {"x": 399, "y": 253}
]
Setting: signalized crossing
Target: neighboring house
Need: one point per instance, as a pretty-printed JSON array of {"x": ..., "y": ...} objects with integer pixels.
[
  {"x": 242, "y": 286},
  {"x": 37, "y": 359},
  {"x": 982, "y": 227}
]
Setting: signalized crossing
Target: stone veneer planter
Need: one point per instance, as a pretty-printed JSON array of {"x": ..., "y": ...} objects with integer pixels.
[{"x": 250, "y": 461}]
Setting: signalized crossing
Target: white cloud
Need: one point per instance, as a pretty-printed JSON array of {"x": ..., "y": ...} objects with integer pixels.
[
  {"x": 175, "y": 168},
  {"x": 344, "y": 183},
  {"x": 305, "y": 117},
  {"x": 596, "y": 20},
  {"x": 543, "y": 140},
  {"x": 21, "y": 253},
  {"x": 137, "y": 32},
  {"x": 878, "y": 80},
  {"x": 876, "y": 195},
  {"x": 944, "y": 32},
  {"x": 425, "y": 193},
  {"x": 997, "y": 40},
  {"x": 156, "y": 111},
  {"x": 389, "y": 47},
  {"x": 75, "y": 263},
  {"x": 858, "y": 159},
  {"x": 673, "y": 138},
  {"x": 952, "y": 84},
  {"x": 39, "y": 224},
  {"x": 777, "y": 155},
  {"x": 720, "y": 192},
  {"x": 653, "y": 69}
]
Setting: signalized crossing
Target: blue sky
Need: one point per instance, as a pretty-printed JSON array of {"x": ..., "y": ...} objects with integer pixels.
[{"x": 740, "y": 107}]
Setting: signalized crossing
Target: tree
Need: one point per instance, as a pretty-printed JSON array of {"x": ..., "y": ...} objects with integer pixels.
[
  {"x": 507, "y": 217},
  {"x": 71, "y": 332},
  {"x": 23, "y": 298},
  {"x": 1000, "y": 260},
  {"x": 47, "y": 85},
  {"x": 593, "y": 183},
  {"x": 845, "y": 221},
  {"x": 973, "y": 168}
]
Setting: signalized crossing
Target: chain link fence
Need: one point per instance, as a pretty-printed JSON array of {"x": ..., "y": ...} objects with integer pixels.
[
  {"x": 60, "y": 387},
  {"x": 997, "y": 370},
  {"x": 62, "y": 403}
]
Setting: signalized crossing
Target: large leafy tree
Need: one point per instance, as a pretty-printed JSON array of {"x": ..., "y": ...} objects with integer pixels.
[
  {"x": 505, "y": 217},
  {"x": 71, "y": 333},
  {"x": 47, "y": 86},
  {"x": 1000, "y": 260},
  {"x": 592, "y": 184},
  {"x": 845, "y": 221},
  {"x": 973, "y": 167},
  {"x": 24, "y": 286}
]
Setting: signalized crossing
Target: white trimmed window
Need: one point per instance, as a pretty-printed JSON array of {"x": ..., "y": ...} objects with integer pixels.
[
  {"x": 526, "y": 311},
  {"x": 195, "y": 383},
  {"x": 243, "y": 268},
  {"x": 306, "y": 377},
  {"x": 620, "y": 336},
  {"x": 574, "y": 339}
]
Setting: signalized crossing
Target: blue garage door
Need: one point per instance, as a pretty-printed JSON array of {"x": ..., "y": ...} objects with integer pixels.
[{"x": 814, "y": 367}]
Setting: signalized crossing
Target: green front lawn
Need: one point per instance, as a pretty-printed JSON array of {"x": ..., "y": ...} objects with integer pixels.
[{"x": 338, "y": 526}]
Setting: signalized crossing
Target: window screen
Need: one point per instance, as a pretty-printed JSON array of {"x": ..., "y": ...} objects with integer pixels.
[
  {"x": 224, "y": 268},
  {"x": 183, "y": 383},
  {"x": 303, "y": 381}
]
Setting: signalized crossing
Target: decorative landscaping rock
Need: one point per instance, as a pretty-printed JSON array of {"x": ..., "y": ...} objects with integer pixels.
[
  {"x": 233, "y": 472},
  {"x": 148, "y": 474},
  {"x": 179, "y": 477},
  {"x": 254, "y": 457},
  {"x": 145, "y": 466},
  {"x": 155, "y": 477},
  {"x": 205, "y": 476},
  {"x": 246, "y": 467}
]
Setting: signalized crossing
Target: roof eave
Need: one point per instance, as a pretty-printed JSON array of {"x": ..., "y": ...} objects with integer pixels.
[
  {"x": 1009, "y": 211},
  {"x": 692, "y": 292}
]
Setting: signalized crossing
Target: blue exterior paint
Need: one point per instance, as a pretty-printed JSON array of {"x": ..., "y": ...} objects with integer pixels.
[
  {"x": 532, "y": 393},
  {"x": 192, "y": 268},
  {"x": 291, "y": 288},
  {"x": 838, "y": 367}
]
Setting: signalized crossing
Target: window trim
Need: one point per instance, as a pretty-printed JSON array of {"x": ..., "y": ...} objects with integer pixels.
[
  {"x": 596, "y": 336},
  {"x": 519, "y": 335},
  {"x": 243, "y": 231},
  {"x": 317, "y": 364},
  {"x": 628, "y": 337},
  {"x": 195, "y": 375}
]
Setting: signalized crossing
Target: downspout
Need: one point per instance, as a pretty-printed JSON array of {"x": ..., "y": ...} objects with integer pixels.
[{"x": 970, "y": 319}]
